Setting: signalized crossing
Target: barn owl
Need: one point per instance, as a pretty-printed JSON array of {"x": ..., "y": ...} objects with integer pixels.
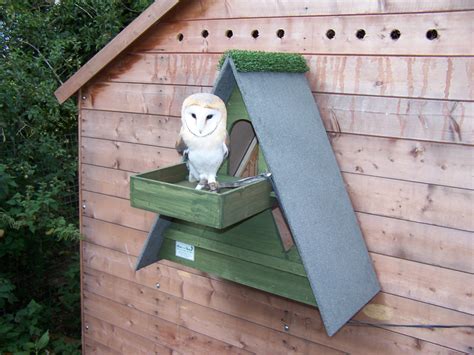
[{"x": 203, "y": 137}]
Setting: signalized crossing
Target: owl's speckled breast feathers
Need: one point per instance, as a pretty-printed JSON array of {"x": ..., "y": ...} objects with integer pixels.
[{"x": 203, "y": 137}]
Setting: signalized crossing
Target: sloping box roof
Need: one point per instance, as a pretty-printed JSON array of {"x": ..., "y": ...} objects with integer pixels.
[{"x": 309, "y": 187}]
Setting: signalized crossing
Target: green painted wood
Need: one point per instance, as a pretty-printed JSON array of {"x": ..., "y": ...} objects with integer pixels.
[
  {"x": 258, "y": 234},
  {"x": 262, "y": 166},
  {"x": 222, "y": 247},
  {"x": 245, "y": 202},
  {"x": 236, "y": 111},
  {"x": 175, "y": 201},
  {"x": 244, "y": 272},
  {"x": 166, "y": 191},
  {"x": 249, "y": 252},
  {"x": 171, "y": 174},
  {"x": 256, "y": 252}
]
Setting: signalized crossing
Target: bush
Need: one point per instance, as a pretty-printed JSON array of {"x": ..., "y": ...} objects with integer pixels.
[{"x": 42, "y": 43}]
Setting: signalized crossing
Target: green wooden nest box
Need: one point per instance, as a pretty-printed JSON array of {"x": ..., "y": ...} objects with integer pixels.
[
  {"x": 231, "y": 234},
  {"x": 249, "y": 253},
  {"x": 239, "y": 234}
]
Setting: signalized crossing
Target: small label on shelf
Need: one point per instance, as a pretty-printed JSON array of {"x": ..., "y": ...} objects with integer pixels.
[{"x": 185, "y": 251}]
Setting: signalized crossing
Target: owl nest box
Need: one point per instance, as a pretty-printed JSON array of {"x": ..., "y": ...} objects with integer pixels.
[{"x": 233, "y": 234}]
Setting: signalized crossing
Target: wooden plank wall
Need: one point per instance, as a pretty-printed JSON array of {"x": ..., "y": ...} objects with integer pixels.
[{"x": 400, "y": 117}]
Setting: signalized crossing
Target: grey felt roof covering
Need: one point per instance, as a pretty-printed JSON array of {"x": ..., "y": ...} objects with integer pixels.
[{"x": 309, "y": 187}]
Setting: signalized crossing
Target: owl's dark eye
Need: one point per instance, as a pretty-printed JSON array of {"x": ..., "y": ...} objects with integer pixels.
[
  {"x": 194, "y": 115},
  {"x": 208, "y": 117}
]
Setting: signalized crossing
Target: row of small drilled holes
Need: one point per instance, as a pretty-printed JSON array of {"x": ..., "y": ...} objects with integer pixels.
[{"x": 360, "y": 34}]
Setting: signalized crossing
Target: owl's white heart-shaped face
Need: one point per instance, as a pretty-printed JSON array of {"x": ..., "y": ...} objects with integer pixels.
[{"x": 201, "y": 121}]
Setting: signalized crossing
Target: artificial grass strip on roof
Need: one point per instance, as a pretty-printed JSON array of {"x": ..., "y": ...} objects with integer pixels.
[{"x": 257, "y": 61}]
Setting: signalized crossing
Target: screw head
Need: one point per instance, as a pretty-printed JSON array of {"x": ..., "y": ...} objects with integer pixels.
[
  {"x": 84, "y": 97},
  {"x": 157, "y": 285},
  {"x": 286, "y": 328},
  {"x": 87, "y": 326},
  {"x": 84, "y": 206}
]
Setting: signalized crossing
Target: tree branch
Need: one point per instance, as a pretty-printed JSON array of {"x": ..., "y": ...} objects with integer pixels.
[
  {"x": 87, "y": 12},
  {"x": 44, "y": 59}
]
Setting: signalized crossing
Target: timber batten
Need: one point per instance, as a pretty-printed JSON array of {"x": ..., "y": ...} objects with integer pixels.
[{"x": 408, "y": 100}]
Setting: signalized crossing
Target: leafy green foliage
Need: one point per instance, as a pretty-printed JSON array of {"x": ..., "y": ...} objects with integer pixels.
[
  {"x": 17, "y": 330},
  {"x": 6, "y": 293},
  {"x": 42, "y": 43},
  {"x": 258, "y": 61}
]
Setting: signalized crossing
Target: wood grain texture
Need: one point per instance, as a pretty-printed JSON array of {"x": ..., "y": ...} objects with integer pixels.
[
  {"x": 139, "y": 98},
  {"x": 372, "y": 93},
  {"x": 161, "y": 191},
  {"x": 211, "y": 9},
  {"x": 151, "y": 16},
  {"x": 308, "y": 35},
  {"x": 272, "y": 311},
  {"x": 121, "y": 340},
  {"x": 97, "y": 206},
  {"x": 274, "y": 275},
  {"x": 437, "y": 205},
  {"x": 130, "y": 127},
  {"x": 359, "y": 75},
  {"x": 428, "y": 162},
  {"x": 107, "y": 181},
  {"x": 283, "y": 228},
  {"x": 443, "y": 287},
  {"x": 398, "y": 310},
  {"x": 426, "y": 283},
  {"x": 387, "y": 211},
  {"x": 227, "y": 328},
  {"x": 124, "y": 156},
  {"x": 428, "y": 77},
  {"x": 93, "y": 347},
  {"x": 255, "y": 241},
  {"x": 424, "y": 203},
  {"x": 420, "y": 242},
  {"x": 134, "y": 30},
  {"x": 425, "y": 162},
  {"x": 164, "y": 68},
  {"x": 154, "y": 328},
  {"x": 439, "y": 121},
  {"x": 114, "y": 236},
  {"x": 381, "y": 116}
]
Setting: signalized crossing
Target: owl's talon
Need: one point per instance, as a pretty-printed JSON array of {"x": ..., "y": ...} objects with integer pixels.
[
  {"x": 213, "y": 187},
  {"x": 202, "y": 184}
]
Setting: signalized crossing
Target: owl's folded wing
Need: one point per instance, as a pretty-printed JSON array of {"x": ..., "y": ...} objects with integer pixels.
[
  {"x": 226, "y": 145},
  {"x": 180, "y": 146}
]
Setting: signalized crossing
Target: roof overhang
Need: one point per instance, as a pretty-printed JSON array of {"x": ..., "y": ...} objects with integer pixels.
[{"x": 115, "y": 47}]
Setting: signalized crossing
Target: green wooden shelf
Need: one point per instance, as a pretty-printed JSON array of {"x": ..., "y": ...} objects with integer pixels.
[
  {"x": 167, "y": 191},
  {"x": 249, "y": 253}
]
